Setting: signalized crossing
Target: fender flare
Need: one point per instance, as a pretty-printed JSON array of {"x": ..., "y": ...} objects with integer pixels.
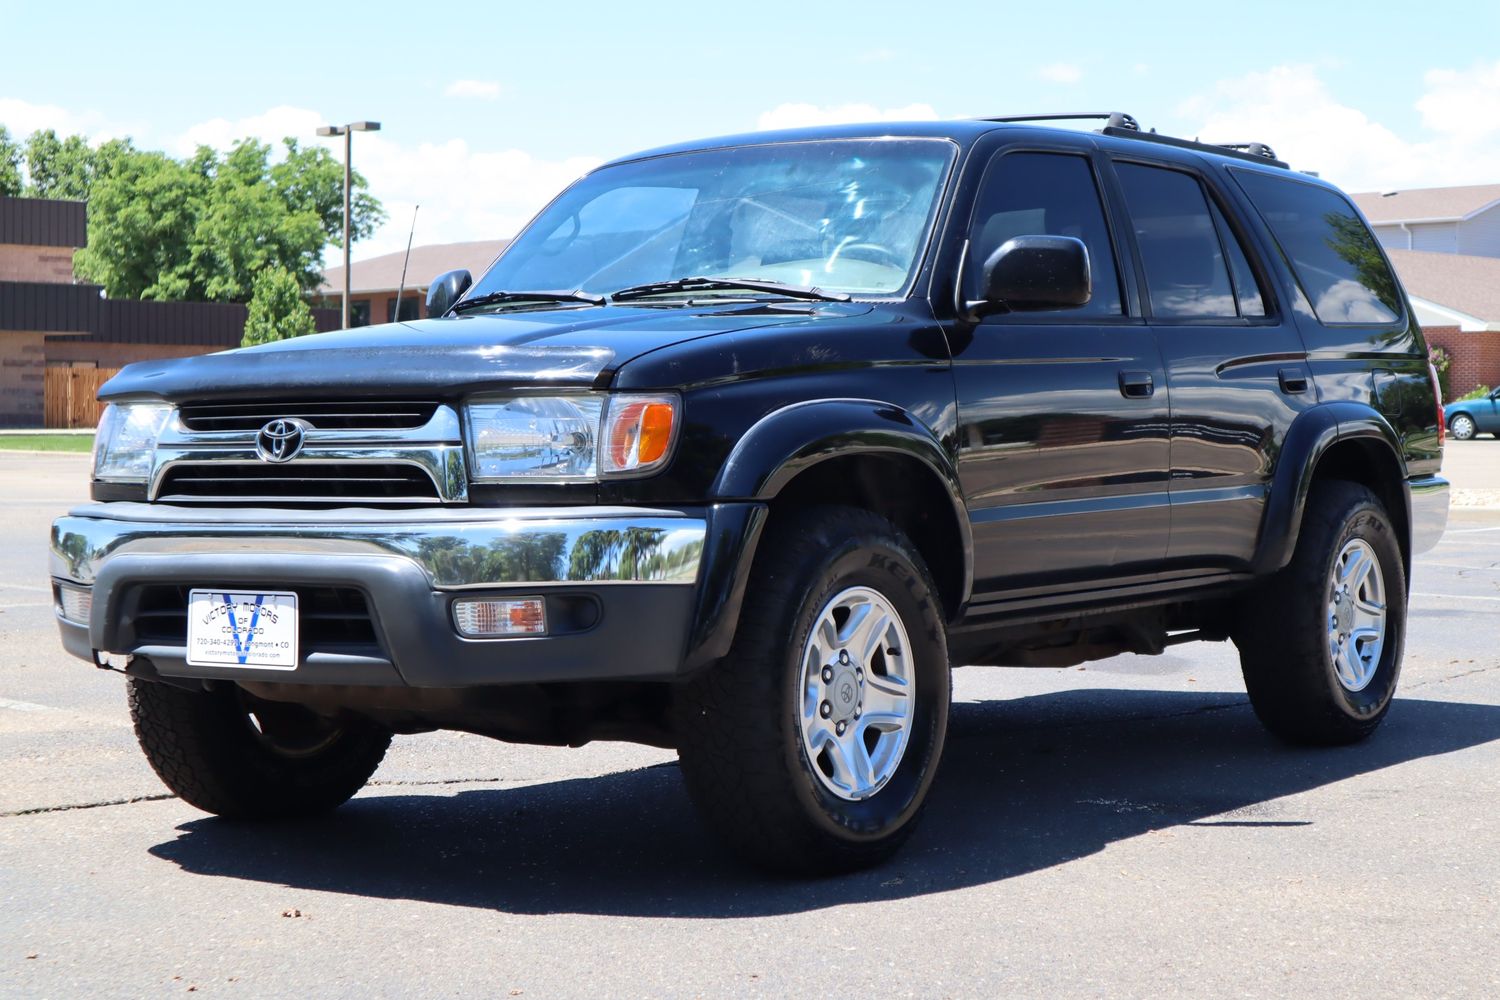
[
  {"x": 789, "y": 441},
  {"x": 1309, "y": 438},
  {"x": 795, "y": 438}
]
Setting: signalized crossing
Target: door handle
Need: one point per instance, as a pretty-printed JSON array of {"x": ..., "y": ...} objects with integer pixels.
[
  {"x": 1137, "y": 385},
  {"x": 1293, "y": 380}
]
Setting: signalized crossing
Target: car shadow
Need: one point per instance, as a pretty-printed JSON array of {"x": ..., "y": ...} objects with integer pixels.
[{"x": 1026, "y": 784}]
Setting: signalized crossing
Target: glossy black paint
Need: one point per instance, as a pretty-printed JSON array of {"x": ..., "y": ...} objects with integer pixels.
[
  {"x": 1087, "y": 464},
  {"x": 446, "y": 289}
]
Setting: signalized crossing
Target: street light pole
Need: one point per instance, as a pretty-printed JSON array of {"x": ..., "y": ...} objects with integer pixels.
[{"x": 347, "y": 131}]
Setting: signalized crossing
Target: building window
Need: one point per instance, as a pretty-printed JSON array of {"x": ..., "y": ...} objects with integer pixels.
[
  {"x": 359, "y": 312},
  {"x": 410, "y": 309}
]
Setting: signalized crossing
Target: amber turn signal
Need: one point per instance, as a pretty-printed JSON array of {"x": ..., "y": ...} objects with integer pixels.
[{"x": 638, "y": 433}]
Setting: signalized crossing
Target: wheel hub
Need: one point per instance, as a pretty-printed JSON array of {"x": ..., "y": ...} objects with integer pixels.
[
  {"x": 1356, "y": 615},
  {"x": 858, "y": 686}
]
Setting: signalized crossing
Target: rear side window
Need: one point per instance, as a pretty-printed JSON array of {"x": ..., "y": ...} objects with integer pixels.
[
  {"x": 1186, "y": 273},
  {"x": 1045, "y": 194},
  {"x": 1336, "y": 259}
]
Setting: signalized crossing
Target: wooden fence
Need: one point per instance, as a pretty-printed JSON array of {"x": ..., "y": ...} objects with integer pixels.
[{"x": 70, "y": 396}]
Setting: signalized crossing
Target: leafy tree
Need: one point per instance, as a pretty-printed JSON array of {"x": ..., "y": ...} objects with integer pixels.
[
  {"x": 277, "y": 309},
  {"x": 10, "y": 165},
  {"x": 142, "y": 218},
  {"x": 199, "y": 228}
]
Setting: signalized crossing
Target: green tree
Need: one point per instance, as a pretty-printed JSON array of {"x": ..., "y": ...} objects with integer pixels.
[
  {"x": 277, "y": 309},
  {"x": 143, "y": 214},
  {"x": 199, "y": 228},
  {"x": 11, "y": 155}
]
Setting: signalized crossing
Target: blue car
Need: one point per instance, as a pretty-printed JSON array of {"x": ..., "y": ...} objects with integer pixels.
[{"x": 1469, "y": 417}]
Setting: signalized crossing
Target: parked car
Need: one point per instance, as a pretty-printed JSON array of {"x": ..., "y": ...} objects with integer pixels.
[
  {"x": 741, "y": 443},
  {"x": 1470, "y": 417}
]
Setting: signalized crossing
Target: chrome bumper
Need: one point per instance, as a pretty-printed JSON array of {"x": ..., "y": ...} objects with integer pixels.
[
  {"x": 456, "y": 549},
  {"x": 633, "y": 570},
  {"x": 1429, "y": 511}
]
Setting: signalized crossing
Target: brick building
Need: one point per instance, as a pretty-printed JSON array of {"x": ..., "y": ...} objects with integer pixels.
[
  {"x": 1456, "y": 298},
  {"x": 373, "y": 283},
  {"x": 48, "y": 320}
]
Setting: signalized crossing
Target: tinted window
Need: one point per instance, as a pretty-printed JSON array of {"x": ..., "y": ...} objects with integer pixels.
[
  {"x": 1044, "y": 194},
  {"x": 1337, "y": 261},
  {"x": 1180, "y": 250},
  {"x": 1246, "y": 288}
]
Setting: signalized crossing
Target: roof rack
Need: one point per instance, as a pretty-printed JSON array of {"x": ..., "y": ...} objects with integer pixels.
[
  {"x": 1111, "y": 119},
  {"x": 1124, "y": 126}
]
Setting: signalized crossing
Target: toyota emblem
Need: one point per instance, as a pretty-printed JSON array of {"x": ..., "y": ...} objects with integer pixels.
[{"x": 280, "y": 440}]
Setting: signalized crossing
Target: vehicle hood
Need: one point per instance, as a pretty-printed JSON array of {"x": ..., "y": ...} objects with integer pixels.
[{"x": 567, "y": 348}]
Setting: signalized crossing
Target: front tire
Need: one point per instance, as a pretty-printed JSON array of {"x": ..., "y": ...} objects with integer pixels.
[
  {"x": 1463, "y": 428},
  {"x": 241, "y": 757},
  {"x": 811, "y": 747},
  {"x": 1321, "y": 643}
]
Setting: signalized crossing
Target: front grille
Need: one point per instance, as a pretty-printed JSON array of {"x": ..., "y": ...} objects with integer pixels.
[
  {"x": 357, "y": 415},
  {"x": 371, "y": 482},
  {"x": 329, "y": 619}
]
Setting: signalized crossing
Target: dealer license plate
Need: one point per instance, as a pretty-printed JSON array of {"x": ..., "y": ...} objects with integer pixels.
[{"x": 233, "y": 628}]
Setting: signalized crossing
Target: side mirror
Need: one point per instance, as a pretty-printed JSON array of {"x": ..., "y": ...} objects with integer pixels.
[
  {"x": 445, "y": 290},
  {"x": 1034, "y": 272}
]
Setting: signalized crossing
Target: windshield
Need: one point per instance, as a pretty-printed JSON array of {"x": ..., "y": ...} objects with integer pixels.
[{"x": 848, "y": 215}]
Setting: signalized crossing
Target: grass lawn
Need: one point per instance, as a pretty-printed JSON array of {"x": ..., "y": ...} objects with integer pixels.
[{"x": 46, "y": 442}]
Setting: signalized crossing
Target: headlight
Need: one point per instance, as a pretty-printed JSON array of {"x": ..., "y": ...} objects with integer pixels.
[
  {"x": 125, "y": 443},
  {"x": 536, "y": 437},
  {"x": 575, "y": 438}
]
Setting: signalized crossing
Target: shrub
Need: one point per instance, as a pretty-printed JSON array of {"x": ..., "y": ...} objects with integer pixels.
[
  {"x": 277, "y": 310},
  {"x": 1442, "y": 361}
]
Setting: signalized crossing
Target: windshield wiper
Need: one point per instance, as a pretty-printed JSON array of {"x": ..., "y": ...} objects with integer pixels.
[
  {"x": 710, "y": 284},
  {"x": 499, "y": 298}
]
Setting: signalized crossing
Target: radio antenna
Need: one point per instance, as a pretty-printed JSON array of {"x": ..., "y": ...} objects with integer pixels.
[{"x": 396, "y": 313}]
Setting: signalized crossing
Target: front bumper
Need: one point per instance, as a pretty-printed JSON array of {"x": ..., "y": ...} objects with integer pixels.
[
  {"x": 625, "y": 583},
  {"x": 1429, "y": 511}
]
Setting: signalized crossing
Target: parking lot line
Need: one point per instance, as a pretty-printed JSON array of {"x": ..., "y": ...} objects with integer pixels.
[{"x": 1454, "y": 597}]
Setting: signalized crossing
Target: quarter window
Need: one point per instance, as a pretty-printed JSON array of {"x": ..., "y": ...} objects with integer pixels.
[
  {"x": 1044, "y": 194},
  {"x": 1186, "y": 274},
  {"x": 1337, "y": 261}
]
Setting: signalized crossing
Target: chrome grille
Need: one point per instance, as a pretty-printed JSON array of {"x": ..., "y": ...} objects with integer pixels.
[
  {"x": 304, "y": 481},
  {"x": 341, "y": 415},
  {"x": 352, "y": 454}
]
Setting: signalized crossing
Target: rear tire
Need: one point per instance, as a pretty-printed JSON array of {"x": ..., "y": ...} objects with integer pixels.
[
  {"x": 1321, "y": 642},
  {"x": 244, "y": 758},
  {"x": 811, "y": 747},
  {"x": 1462, "y": 427}
]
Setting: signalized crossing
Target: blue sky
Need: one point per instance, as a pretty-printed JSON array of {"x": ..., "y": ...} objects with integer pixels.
[{"x": 487, "y": 118}]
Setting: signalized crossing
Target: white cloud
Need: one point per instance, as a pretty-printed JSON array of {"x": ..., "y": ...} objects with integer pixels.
[
  {"x": 270, "y": 127},
  {"x": 799, "y": 115},
  {"x": 1060, "y": 73},
  {"x": 484, "y": 90},
  {"x": 465, "y": 193},
  {"x": 1292, "y": 109},
  {"x": 23, "y": 118}
]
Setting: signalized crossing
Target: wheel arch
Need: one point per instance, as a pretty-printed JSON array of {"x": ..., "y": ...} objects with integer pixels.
[
  {"x": 863, "y": 453},
  {"x": 1348, "y": 441}
]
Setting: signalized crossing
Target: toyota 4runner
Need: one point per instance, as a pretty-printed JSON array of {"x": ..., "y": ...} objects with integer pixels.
[{"x": 740, "y": 443}]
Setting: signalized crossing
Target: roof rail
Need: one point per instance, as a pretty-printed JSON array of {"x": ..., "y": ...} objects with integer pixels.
[
  {"x": 1124, "y": 126},
  {"x": 1254, "y": 152},
  {"x": 1112, "y": 119}
]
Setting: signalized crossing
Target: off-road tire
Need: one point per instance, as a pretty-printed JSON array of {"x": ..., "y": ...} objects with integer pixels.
[
  {"x": 739, "y": 741},
  {"x": 1282, "y": 631},
  {"x": 204, "y": 747}
]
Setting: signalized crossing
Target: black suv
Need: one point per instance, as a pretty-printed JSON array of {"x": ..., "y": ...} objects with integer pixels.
[{"x": 741, "y": 443}]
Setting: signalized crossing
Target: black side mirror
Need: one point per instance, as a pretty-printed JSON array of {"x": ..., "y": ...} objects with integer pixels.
[
  {"x": 1034, "y": 272},
  {"x": 446, "y": 289}
]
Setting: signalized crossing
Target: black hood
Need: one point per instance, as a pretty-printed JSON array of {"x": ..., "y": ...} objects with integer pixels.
[{"x": 565, "y": 347}]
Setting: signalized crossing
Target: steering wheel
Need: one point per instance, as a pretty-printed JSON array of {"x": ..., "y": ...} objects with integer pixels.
[{"x": 882, "y": 254}]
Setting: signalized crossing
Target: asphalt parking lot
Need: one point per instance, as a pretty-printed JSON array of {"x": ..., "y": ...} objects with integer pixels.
[{"x": 1126, "y": 829}]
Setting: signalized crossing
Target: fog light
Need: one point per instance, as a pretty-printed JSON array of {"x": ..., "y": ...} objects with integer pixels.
[
  {"x": 75, "y": 603},
  {"x": 487, "y": 619}
]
